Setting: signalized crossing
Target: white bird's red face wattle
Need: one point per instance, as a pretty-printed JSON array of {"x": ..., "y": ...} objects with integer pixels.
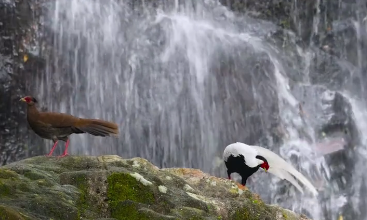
[{"x": 265, "y": 166}]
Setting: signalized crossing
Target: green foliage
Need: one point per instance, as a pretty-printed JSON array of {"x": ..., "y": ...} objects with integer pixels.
[{"x": 123, "y": 187}]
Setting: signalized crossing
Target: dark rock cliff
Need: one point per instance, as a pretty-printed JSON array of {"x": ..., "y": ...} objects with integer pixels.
[{"x": 18, "y": 23}]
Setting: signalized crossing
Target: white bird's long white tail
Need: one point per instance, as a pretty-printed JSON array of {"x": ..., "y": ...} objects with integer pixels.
[{"x": 280, "y": 168}]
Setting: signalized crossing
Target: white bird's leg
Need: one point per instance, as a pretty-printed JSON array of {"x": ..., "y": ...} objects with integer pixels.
[
  {"x": 229, "y": 174},
  {"x": 240, "y": 186}
]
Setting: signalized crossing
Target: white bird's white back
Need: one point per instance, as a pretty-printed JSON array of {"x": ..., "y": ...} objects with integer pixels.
[{"x": 247, "y": 151}]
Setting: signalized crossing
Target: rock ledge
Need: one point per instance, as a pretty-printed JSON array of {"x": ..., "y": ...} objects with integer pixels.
[{"x": 109, "y": 187}]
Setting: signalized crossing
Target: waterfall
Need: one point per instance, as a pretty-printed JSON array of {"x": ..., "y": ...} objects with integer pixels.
[{"x": 184, "y": 79}]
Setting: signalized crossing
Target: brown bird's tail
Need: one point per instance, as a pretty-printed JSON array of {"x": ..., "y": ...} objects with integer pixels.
[{"x": 97, "y": 127}]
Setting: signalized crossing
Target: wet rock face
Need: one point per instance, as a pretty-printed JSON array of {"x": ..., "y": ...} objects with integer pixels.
[
  {"x": 19, "y": 26},
  {"x": 332, "y": 118},
  {"x": 335, "y": 29},
  {"x": 252, "y": 90},
  {"x": 111, "y": 187},
  {"x": 292, "y": 15},
  {"x": 335, "y": 36},
  {"x": 13, "y": 25}
]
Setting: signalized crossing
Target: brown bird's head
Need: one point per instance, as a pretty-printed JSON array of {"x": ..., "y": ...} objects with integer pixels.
[{"x": 29, "y": 100}]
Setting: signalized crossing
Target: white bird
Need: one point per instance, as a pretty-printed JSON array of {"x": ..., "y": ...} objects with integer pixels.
[{"x": 247, "y": 159}]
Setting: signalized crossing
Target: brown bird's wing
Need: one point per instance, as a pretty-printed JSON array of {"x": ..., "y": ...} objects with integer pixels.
[
  {"x": 52, "y": 125},
  {"x": 94, "y": 127},
  {"x": 57, "y": 120}
]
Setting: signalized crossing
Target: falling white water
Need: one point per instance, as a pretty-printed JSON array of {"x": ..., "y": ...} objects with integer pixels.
[{"x": 360, "y": 118}]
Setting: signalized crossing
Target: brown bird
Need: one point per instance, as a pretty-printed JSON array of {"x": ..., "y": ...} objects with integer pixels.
[{"x": 58, "y": 126}]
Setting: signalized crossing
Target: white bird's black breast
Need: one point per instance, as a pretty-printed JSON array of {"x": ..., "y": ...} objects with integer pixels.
[{"x": 238, "y": 165}]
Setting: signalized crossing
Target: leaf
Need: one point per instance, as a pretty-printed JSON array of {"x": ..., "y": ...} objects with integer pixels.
[{"x": 25, "y": 57}]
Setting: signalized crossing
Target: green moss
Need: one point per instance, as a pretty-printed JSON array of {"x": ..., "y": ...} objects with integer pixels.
[
  {"x": 196, "y": 218},
  {"x": 287, "y": 215},
  {"x": 242, "y": 214},
  {"x": 23, "y": 187},
  {"x": 122, "y": 186},
  {"x": 9, "y": 213},
  {"x": 248, "y": 194},
  {"x": 80, "y": 181},
  {"x": 253, "y": 210},
  {"x": 80, "y": 163},
  {"x": 5, "y": 190},
  {"x": 52, "y": 206},
  {"x": 33, "y": 175},
  {"x": 91, "y": 198},
  {"x": 189, "y": 213},
  {"x": 128, "y": 210},
  {"x": 44, "y": 182},
  {"x": 233, "y": 191},
  {"x": 255, "y": 201},
  {"x": 268, "y": 12},
  {"x": 7, "y": 174},
  {"x": 285, "y": 24}
]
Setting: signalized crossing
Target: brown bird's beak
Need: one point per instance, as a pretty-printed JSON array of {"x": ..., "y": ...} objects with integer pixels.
[{"x": 22, "y": 99}]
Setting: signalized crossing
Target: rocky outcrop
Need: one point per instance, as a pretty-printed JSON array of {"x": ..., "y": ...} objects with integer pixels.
[
  {"x": 85, "y": 187},
  {"x": 18, "y": 30}
]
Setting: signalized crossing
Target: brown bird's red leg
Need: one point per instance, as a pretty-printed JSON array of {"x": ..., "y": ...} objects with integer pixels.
[
  {"x": 52, "y": 149},
  {"x": 66, "y": 149}
]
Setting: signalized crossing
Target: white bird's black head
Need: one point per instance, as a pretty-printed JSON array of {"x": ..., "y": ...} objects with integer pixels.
[{"x": 237, "y": 164}]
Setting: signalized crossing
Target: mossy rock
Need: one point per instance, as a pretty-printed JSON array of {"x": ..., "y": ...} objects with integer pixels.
[
  {"x": 122, "y": 186},
  {"x": 8, "y": 213},
  {"x": 7, "y": 174},
  {"x": 129, "y": 210},
  {"x": 109, "y": 187},
  {"x": 5, "y": 190}
]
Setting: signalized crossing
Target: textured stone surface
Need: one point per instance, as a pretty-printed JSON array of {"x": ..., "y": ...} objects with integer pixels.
[
  {"x": 89, "y": 187},
  {"x": 18, "y": 37}
]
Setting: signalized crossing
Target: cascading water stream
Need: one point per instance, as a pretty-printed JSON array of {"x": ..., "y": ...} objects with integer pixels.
[
  {"x": 183, "y": 80},
  {"x": 359, "y": 176}
]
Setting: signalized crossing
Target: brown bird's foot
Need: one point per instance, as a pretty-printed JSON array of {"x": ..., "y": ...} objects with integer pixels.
[
  {"x": 66, "y": 150},
  {"x": 240, "y": 186},
  {"x": 64, "y": 155}
]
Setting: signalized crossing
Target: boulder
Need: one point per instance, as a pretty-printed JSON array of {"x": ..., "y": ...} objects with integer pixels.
[{"x": 109, "y": 187}]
